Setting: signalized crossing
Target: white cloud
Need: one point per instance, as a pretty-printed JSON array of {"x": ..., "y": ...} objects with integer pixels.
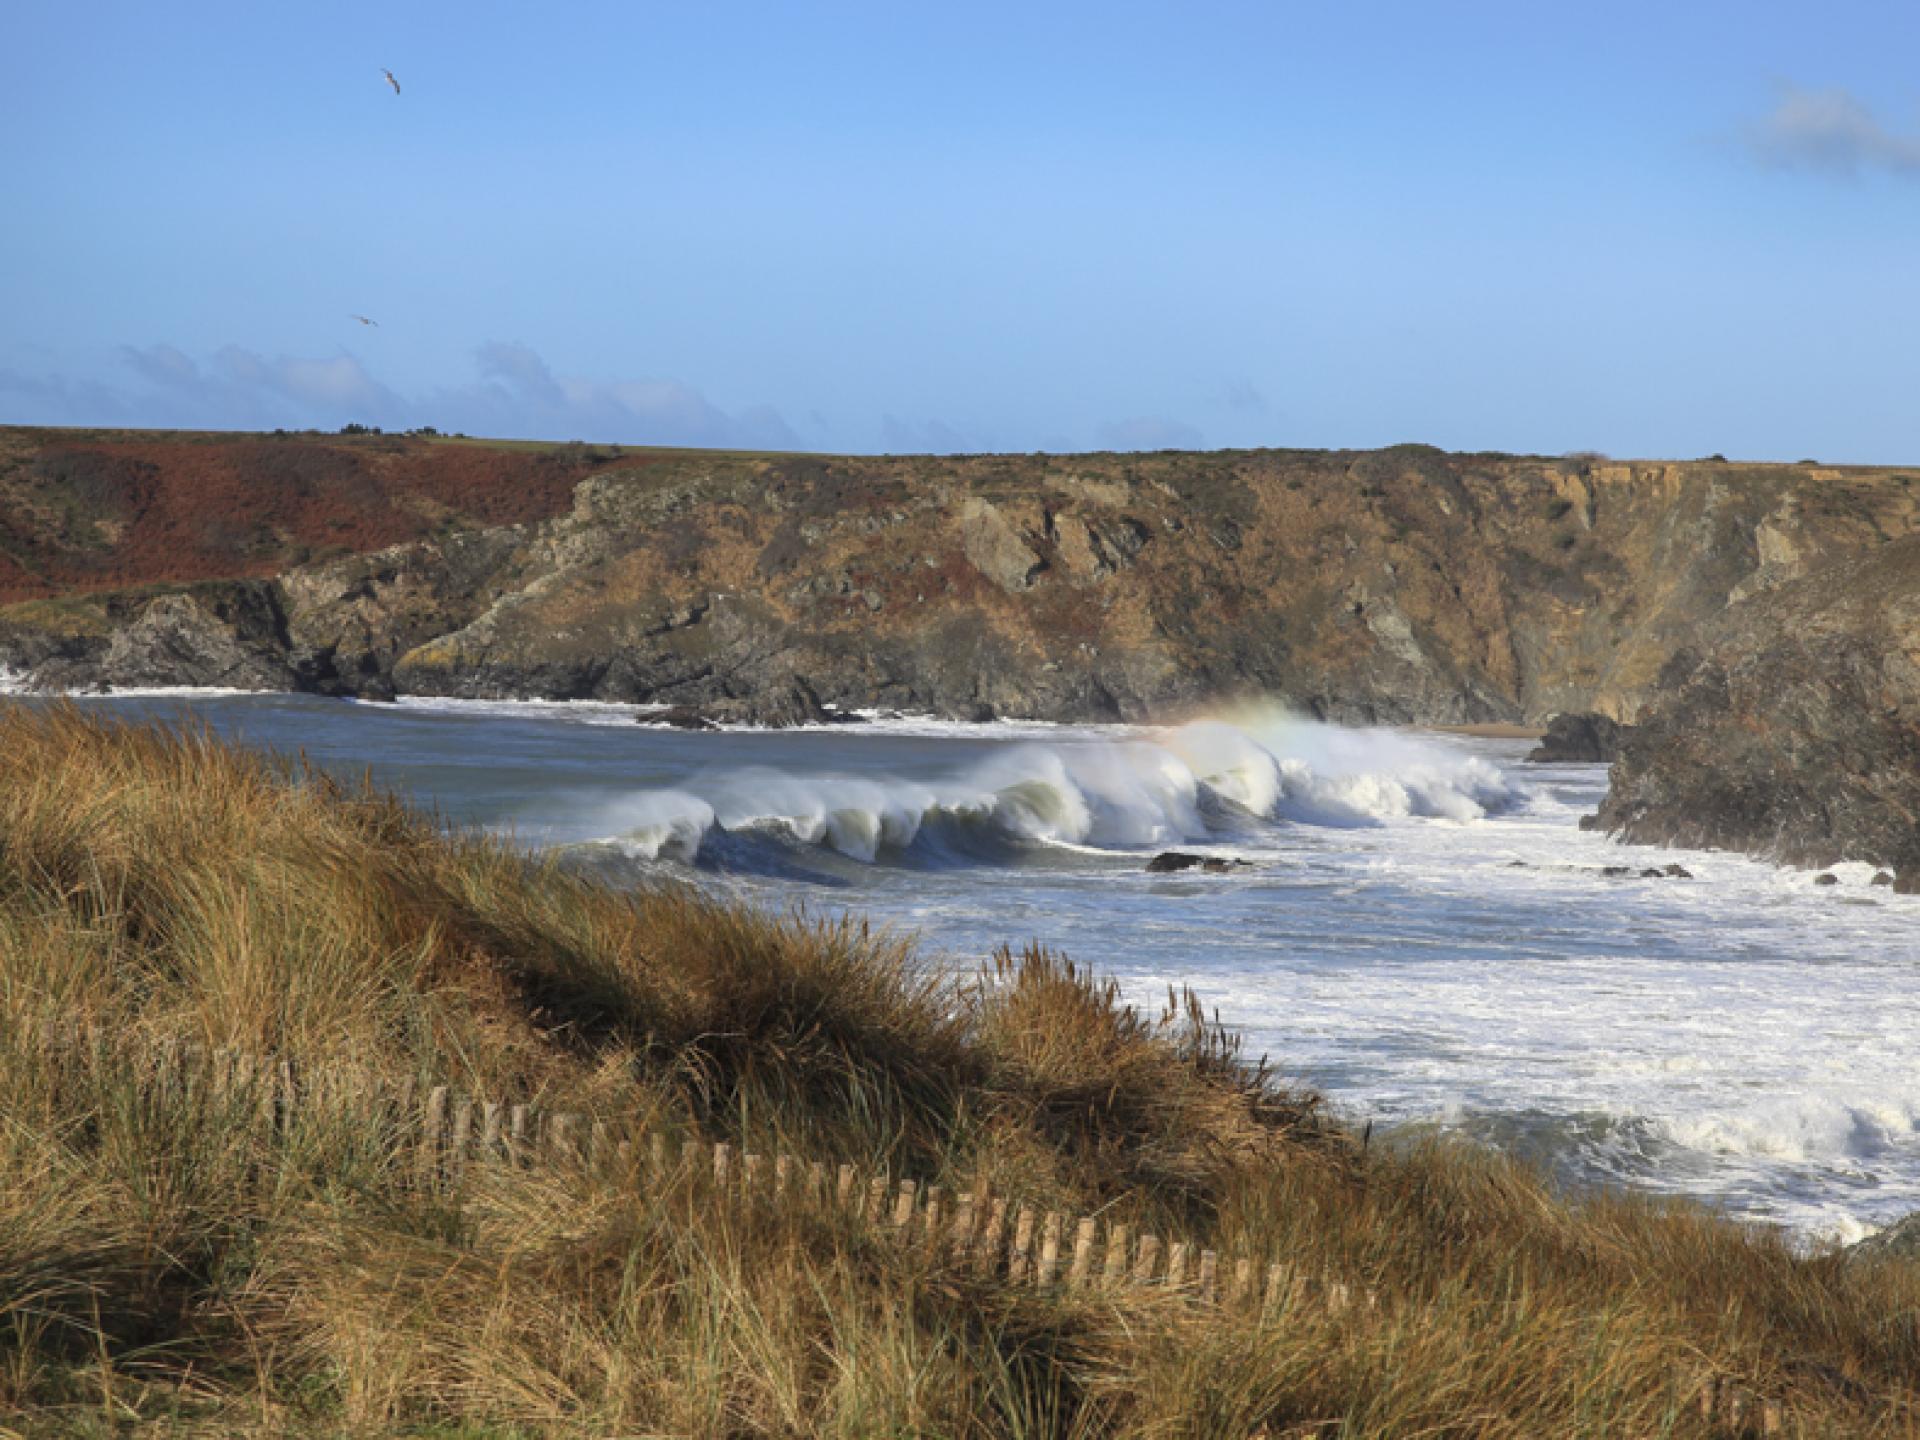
[{"x": 1831, "y": 132}]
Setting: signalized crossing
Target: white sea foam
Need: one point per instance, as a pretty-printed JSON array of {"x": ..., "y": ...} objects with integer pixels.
[{"x": 1154, "y": 789}]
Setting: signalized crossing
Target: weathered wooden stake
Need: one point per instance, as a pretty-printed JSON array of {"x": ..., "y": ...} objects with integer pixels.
[
  {"x": 1772, "y": 1420},
  {"x": 1083, "y": 1237},
  {"x": 903, "y": 1207},
  {"x": 562, "y": 1142},
  {"x": 782, "y": 1173},
  {"x": 1143, "y": 1263},
  {"x": 1242, "y": 1281},
  {"x": 657, "y": 1153},
  {"x": 1176, "y": 1264},
  {"x": 751, "y": 1166},
  {"x": 492, "y": 1116},
  {"x": 462, "y": 1137},
  {"x": 722, "y": 1164},
  {"x": 432, "y": 1127},
  {"x": 963, "y": 1229},
  {"x": 987, "y": 1258},
  {"x": 1022, "y": 1245},
  {"x": 930, "y": 1205},
  {"x": 817, "y": 1183},
  {"x": 1209, "y": 1272},
  {"x": 876, "y": 1199},
  {"x": 1049, "y": 1249},
  {"x": 1276, "y": 1285},
  {"x": 1116, "y": 1267},
  {"x": 518, "y": 1136},
  {"x": 843, "y": 1194}
]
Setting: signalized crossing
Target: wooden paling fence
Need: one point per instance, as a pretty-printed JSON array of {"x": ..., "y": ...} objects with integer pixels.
[{"x": 440, "y": 1135}]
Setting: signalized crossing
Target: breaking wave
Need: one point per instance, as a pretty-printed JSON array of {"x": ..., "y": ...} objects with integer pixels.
[{"x": 1207, "y": 781}]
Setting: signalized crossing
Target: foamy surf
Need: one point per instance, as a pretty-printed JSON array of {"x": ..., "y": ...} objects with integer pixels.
[{"x": 1194, "y": 783}]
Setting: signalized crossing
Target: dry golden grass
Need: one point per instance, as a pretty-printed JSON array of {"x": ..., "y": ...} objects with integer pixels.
[{"x": 162, "y": 1270}]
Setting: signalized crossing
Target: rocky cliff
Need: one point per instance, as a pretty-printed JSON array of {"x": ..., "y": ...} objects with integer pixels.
[
  {"x": 1395, "y": 585},
  {"x": 1793, "y": 729}
]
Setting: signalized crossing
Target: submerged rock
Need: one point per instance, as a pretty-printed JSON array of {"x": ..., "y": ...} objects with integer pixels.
[
  {"x": 780, "y": 708},
  {"x": 1829, "y": 878},
  {"x": 1170, "y": 862},
  {"x": 1882, "y": 877},
  {"x": 1583, "y": 739}
]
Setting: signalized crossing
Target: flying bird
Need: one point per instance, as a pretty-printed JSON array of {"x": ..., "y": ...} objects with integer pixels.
[
  {"x": 365, "y": 321},
  {"x": 390, "y": 80}
]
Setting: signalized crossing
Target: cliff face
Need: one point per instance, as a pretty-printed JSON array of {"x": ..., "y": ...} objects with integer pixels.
[
  {"x": 1793, "y": 732},
  {"x": 1403, "y": 584}
]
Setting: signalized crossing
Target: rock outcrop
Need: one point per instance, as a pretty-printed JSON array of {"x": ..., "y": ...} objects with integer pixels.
[
  {"x": 1793, "y": 730},
  {"x": 1402, "y": 585},
  {"x": 1580, "y": 740}
]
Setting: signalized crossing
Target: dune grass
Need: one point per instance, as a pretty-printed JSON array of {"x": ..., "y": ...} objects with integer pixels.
[{"x": 161, "y": 1271}]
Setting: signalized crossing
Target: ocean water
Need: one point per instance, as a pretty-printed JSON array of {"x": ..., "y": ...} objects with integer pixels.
[{"x": 1422, "y": 932}]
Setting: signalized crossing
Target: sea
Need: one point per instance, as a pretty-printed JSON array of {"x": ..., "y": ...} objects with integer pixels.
[{"x": 1420, "y": 930}]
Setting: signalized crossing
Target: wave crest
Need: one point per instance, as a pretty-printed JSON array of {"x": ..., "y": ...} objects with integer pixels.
[{"x": 1204, "y": 781}]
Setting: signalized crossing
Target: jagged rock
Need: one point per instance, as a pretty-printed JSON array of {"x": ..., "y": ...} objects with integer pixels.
[
  {"x": 1582, "y": 739},
  {"x": 1653, "y": 873},
  {"x": 1169, "y": 862},
  {"x": 1616, "y": 872},
  {"x": 779, "y": 708},
  {"x": 1882, "y": 877},
  {"x": 1829, "y": 878},
  {"x": 1793, "y": 731},
  {"x": 1899, "y": 1241},
  {"x": 995, "y": 547},
  {"x": 1677, "y": 872}
]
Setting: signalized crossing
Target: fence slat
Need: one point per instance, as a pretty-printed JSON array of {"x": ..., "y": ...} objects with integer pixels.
[
  {"x": 782, "y": 1173},
  {"x": 1209, "y": 1272},
  {"x": 722, "y": 1164},
  {"x": 432, "y": 1125},
  {"x": 843, "y": 1193},
  {"x": 519, "y": 1136},
  {"x": 963, "y": 1228},
  {"x": 462, "y": 1137},
  {"x": 987, "y": 1257},
  {"x": 1022, "y": 1245},
  {"x": 1176, "y": 1264},
  {"x": 1083, "y": 1236},
  {"x": 1049, "y": 1249},
  {"x": 492, "y": 1119},
  {"x": 1116, "y": 1267},
  {"x": 1143, "y": 1264},
  {"x": 876, "y": 1198},
  {"x": 903, "y": 1207}
]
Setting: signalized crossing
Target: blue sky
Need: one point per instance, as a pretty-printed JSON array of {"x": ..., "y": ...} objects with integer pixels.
[{"x": 1647, "y": 230}]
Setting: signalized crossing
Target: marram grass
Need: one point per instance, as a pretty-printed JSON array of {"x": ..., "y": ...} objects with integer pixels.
[{"x": 163, "y": 1272}]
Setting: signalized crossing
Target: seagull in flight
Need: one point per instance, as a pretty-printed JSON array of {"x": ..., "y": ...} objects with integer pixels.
[
  {"x": 365, "y": 321},
  {"x": 390, "y": 80}
]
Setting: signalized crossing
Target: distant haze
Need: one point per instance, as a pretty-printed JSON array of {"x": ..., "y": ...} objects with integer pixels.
[{"x": 1638, "y": 229}]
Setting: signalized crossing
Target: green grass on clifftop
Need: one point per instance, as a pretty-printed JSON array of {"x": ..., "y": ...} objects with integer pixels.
[{"x": 161, "y": 1272}]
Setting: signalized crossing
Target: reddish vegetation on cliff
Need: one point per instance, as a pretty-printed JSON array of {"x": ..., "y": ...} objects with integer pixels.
[{"x": 92, "y": 510}]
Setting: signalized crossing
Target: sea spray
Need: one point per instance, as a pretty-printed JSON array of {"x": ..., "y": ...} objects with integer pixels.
[{"x": 1193, "y": 783}]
